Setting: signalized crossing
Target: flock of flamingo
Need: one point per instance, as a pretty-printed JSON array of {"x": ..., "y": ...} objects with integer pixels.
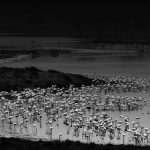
[
  {"x": 100, "y": 113},
  {"x": 15, "y": 59}
]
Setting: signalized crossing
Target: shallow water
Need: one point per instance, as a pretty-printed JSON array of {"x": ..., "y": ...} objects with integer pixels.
[{"x": 41, "y": 132}]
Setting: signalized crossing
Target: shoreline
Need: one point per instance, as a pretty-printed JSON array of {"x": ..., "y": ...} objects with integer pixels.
[{"x": 25, "y": 144}]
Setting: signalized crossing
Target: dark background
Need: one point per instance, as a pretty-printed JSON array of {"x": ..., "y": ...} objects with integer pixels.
[{"x": 119, "y": 21}]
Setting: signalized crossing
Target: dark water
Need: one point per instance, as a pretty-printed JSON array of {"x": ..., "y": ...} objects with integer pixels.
[{"x": 22, "y": 40}]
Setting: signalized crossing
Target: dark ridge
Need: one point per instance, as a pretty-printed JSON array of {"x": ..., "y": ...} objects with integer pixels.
[{"x": 31, "y": 77}]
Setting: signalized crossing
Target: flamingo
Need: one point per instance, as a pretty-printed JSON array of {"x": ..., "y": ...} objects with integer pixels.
[
  {"x": 51, "y": 129},
  {"x": 68, "y": 127},
  {"x": 137, "y": 118},
  {"x": 123, "y": 139},
  {"x": 60, "y": 135},
  {"x": 21, "y": 127},
  {"x": 48, "y": 125},
  {"x": 84, "y": 133},
  {"x": 17, "y": 116},
  {"x": 40, "y": 121},
  {"x": 10, "y": 122},
  {"x": 15, "y": 127},
  {"x": 3, "y": 119},
  {"x": 26, "y": 125},
  {"x": 57, "y": 123},
  {"x": 34, "y": 129}
]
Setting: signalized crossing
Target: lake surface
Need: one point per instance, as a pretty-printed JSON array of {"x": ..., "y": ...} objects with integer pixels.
[
  {"x": 79, "y": 63},
  {"x": 74, "y": 63}
]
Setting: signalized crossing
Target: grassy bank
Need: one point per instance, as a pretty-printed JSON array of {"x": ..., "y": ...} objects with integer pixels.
[
  {"x": 30, "y": 77},
  {"x": 17, "y": 144}
]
